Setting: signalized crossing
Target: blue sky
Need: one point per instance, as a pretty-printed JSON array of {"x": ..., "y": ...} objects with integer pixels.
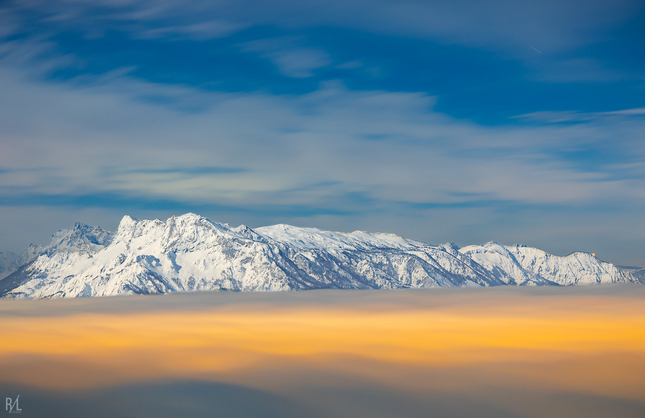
[{"x": 463, "y": 121}]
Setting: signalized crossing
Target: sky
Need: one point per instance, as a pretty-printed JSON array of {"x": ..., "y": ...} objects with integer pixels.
[{"x": 443, "y": 121}]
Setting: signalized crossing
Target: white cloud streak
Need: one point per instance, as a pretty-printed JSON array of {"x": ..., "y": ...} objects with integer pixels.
[
  {"x": 291, "y": 59},
  {"x": 558, "y": 29},
  {"x": 67, "y": 138},
  {"x": 573, "y": 116},
  {"x": 550, "y": 26}
]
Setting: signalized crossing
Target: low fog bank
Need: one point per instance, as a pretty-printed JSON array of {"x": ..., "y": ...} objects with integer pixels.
[
  {"x": 410, "y": 298},
  {"x": 502, "y": 352}
]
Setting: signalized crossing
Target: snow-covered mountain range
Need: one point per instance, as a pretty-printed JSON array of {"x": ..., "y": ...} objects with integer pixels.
[{"x": 190, "y": 252}]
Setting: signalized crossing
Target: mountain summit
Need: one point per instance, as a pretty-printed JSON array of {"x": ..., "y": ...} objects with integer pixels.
[{"x": 190, "y": 253}]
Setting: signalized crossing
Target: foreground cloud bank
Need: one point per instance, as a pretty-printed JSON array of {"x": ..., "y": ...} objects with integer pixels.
[
  {"x": 502, "y": 352},
  {"x": 192, "y": 253}
]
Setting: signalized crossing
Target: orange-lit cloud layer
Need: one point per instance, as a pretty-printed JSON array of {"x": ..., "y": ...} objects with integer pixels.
[{"x": 586, "y": 343}]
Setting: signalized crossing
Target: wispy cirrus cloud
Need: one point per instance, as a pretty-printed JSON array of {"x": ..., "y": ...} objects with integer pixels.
[
  {"x": 195, "y": 31},
  {"x": 291, "y": 59},
  {"x": 548, "y": 25},
  {"x": 573, "y": 116}
]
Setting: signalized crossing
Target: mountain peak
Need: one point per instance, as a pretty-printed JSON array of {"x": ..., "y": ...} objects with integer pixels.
[{"x": 127, "y": 221}]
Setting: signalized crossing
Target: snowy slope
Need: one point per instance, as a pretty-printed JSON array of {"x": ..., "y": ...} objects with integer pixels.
[
  {"x": 190, "y": 252},
  {"x": 502, "y": 263},
  {"x": 640, "y": 275},
  {"x": 522, "y": 265},
  {"x": 574, "y": 269},
  {"x": 81, "y": 238}
]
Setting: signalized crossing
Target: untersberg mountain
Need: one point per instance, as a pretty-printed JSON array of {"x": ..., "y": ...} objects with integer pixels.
[{"x": 190, "y": 253}]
